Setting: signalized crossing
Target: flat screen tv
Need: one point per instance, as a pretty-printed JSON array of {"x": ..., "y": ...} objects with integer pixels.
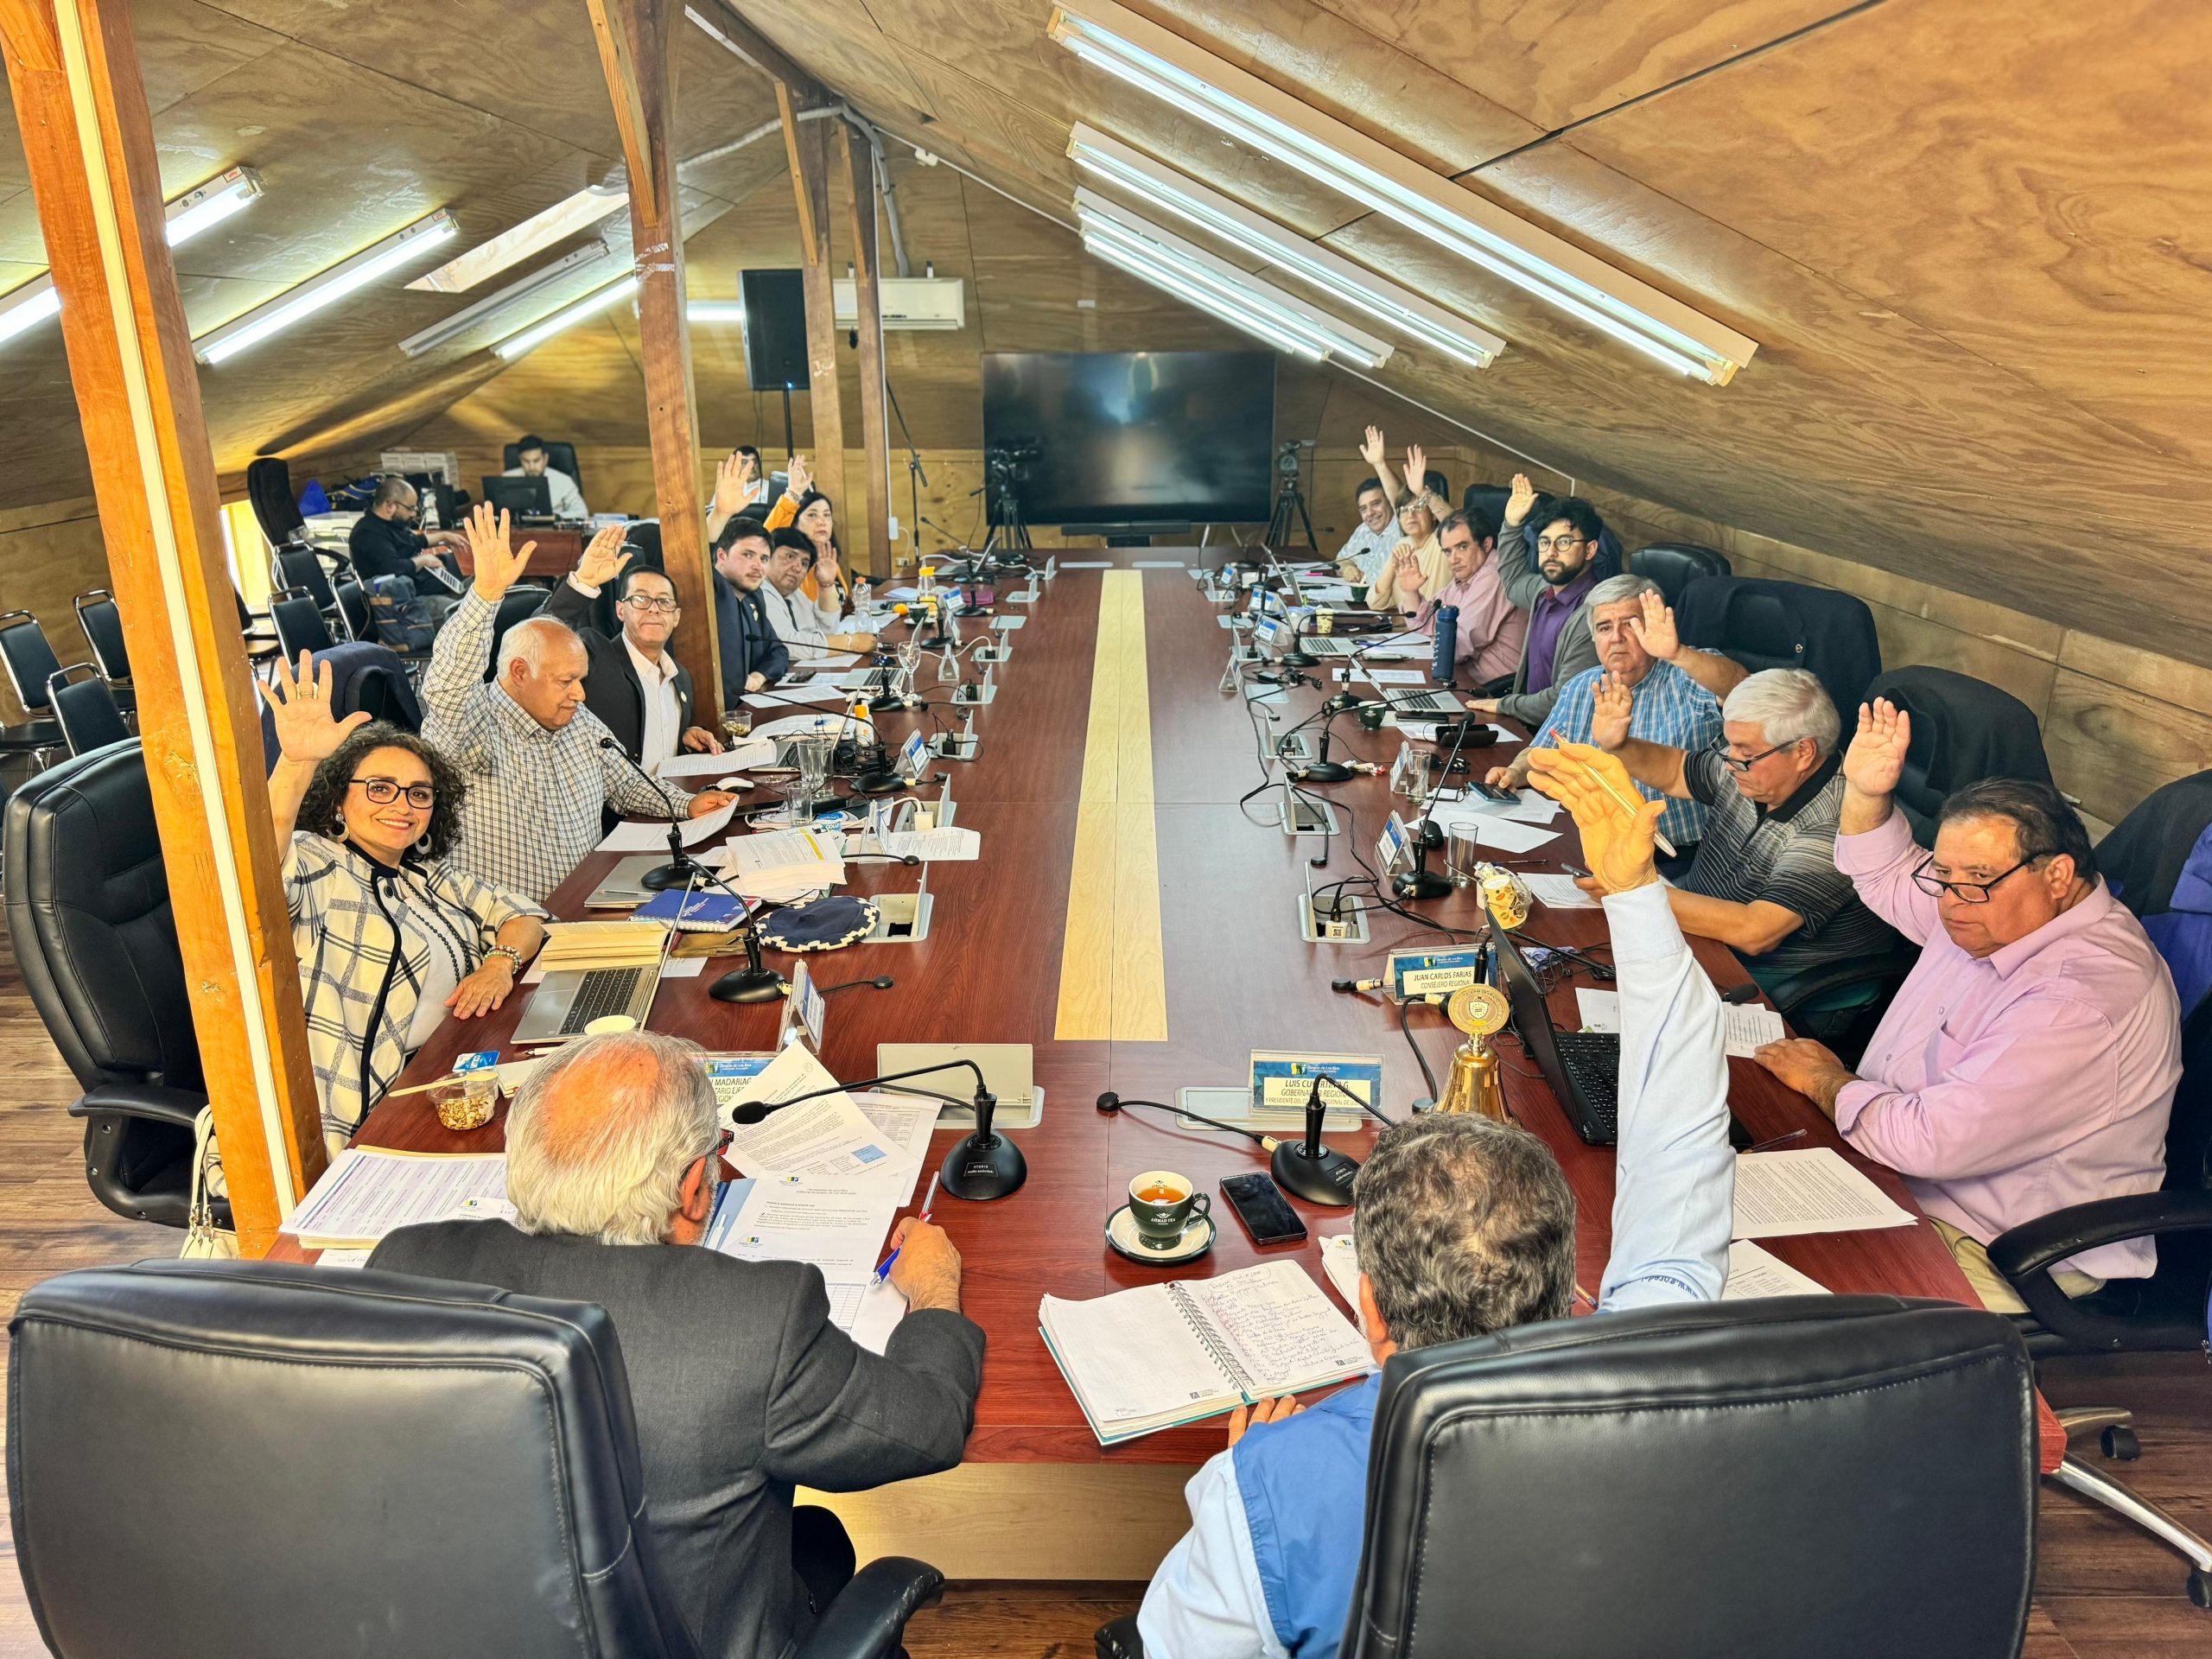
[{"x": 1132, "y": 438}]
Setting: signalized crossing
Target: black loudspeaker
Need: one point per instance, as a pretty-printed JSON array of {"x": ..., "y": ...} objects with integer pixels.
[{"x": 775, "y": 329}]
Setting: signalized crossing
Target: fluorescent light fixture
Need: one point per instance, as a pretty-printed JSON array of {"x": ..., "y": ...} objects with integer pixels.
[
  {"x": 511, "y": 247},
  {"x": 715, "y": 311},
  {"x": 1213, "y": 285},
  {"x": 472, "y": 318},
  {"x": 320, "y": 292},
  {"x": 1263, "y": 117},
  {"x": 196, "y": 210},
  {"x": 1388, "y": 303},
  {"x": 538, "y": 334}
]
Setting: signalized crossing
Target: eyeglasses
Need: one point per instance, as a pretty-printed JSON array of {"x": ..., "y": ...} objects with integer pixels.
[
  {"x": 1557, "y": 543},
  {"x": 1966, "y": 893},
  {"x": 653, "y": 606},
  {"x": 383, "y": 792},
  {"x": 1740, "y": 767}
]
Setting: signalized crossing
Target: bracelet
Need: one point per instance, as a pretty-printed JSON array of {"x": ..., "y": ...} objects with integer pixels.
[{"x": 513, "y": 956}]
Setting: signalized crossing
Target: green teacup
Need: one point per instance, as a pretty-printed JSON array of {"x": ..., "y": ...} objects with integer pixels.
[
  {"x": 1359, "y": 596},
  {"x": 1161, "y": 1203}
]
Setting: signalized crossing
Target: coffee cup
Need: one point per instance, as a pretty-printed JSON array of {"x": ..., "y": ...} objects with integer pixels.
[{"x": 1160, "y": 1204}]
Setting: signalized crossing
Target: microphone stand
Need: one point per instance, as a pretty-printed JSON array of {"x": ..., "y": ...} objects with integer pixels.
[
  {"x": 980, "y": 1165},
  {"x": 1325, "y": 771},
  {"x": 1308, "y": 1169},
  {"x": 681, "y": 866},
  {"x": 1421, "y": 883}
]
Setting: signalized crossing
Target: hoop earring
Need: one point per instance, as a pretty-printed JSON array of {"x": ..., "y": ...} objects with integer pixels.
[
  {"x": 423, "y": 845},
  {"x": 338, "y": 826}
]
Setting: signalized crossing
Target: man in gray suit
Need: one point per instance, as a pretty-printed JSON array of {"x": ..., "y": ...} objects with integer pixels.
[{"x": 743, "y": 1387}]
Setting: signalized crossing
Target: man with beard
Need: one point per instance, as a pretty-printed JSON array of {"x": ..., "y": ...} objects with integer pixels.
[{"x": 1547, "y": 570}]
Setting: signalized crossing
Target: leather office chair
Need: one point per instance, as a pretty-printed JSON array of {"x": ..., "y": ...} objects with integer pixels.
[
  {"x": 463, "y": 1461},
  {"x": 88, "y": 913},
  {"x": 1764, "y": 624},
  {"x": 1490, "y": 498},
  {"x": 1963, "y": 730},
  {"x": 275, "y": 504},
  {"x": 301, "y": 569},
  {"x": 299, "y": 623},
  {"x": 1674, "y": 565},
  {"x": 258, "y": 633},
  {"x": 560, "y": 457},
  {"x": 29, "y": 661},
  {"x": 85, "y": 708},
  {"x": 1803, "y": 1477},
  {"x": 102, "y": 628},
  {"x": 524, "y": 599}
]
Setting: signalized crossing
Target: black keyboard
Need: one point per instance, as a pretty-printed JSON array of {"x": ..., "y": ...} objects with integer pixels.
[
  {"x": 605, "y": 990},
  {"x": 1592, "y": 1059}
]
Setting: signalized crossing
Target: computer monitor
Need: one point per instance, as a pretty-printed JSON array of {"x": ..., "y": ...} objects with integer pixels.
[
  {"x": 524, "y": 497},
  {"x": 1531, "y": 1017}
]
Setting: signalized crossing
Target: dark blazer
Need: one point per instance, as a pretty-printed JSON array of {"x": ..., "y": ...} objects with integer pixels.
[
  {"x": 743, "y": 1389},
  {"x": 612, "y": 688},
  {"x": 748, "y": 641}
]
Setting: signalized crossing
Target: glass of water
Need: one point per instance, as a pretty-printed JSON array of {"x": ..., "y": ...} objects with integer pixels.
[{"x": 810, "y": 755}]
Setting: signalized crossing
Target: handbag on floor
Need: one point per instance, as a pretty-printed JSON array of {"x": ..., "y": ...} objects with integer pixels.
[{"x": 203, "y": 1240}]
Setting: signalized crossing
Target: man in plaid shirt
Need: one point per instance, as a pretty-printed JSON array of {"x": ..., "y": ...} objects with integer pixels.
[{"x": 537, "y": 773}]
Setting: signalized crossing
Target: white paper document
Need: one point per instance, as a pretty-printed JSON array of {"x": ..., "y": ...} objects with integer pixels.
[
  {"x": 1511, "y": 835},
  {"x": 1390, "y": 676},
  {"x": 952, "y": 845},
  {"x": 651, "y": 837},
  {"x": 1600, "y": 1010},
  {"x": 904, "y": 1124},
  {"x": 827, "y": 1138},
  {"x": 368, "y": 1191},
  {"x": 822, "y": 690},
  {"x": 1400, "y": 653},
  {"x": 1753, "y": 1272},
  {"x": 1560, "y": 893},
  {"x": 1781, "y": 1194},
  {"x": 1749, "y": 1025},
  {"x": 840, "y": 1228},
  {"x": 751, "y": 752},
  {"x": 1340, "y": 1261},
  {"x": 782, "y": 864}
]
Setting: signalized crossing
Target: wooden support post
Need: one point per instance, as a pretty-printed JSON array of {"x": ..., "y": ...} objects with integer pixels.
[
  {"x": 643, "y": 77},
  {"x": 808, "y": 146},
  {"x": 875, "y": 415},
  {"x": 88, "y": 142}
]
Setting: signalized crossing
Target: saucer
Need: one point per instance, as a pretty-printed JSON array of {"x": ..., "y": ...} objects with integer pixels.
[{"x": 1121, "y": 1233}]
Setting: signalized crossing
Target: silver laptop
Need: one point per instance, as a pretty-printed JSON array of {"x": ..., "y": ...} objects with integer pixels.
[
  {"x": 567, "y": 1002},
  {"x": 1327, "y": 645},
  {"x": 1427, "y": 703}
]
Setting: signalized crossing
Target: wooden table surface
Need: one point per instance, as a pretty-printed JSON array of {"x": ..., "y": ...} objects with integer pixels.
[{"x": 1238, "y": 977}]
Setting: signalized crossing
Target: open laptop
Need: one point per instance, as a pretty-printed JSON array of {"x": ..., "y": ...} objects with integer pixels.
[
  {"x": 567, "y": 1002},
  {"x": 1427, "y": 702}
]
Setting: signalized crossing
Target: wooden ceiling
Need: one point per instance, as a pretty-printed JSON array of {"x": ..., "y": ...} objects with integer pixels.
[{"x": 1975, "y": 247}]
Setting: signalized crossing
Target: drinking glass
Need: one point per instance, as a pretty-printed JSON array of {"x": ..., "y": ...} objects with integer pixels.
[{"x": 810, "y": 754}]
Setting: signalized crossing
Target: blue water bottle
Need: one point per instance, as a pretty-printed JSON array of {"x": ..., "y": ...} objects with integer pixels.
[{"x": 1447, "y": 643}]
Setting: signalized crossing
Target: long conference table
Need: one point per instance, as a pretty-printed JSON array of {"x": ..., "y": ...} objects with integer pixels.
[{"x": 1136, "y": 926}]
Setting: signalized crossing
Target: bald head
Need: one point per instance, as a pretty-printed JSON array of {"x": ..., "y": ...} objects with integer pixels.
[
  {"x": 614, "y": 1139},
  {"x": 542, "y": 665}
]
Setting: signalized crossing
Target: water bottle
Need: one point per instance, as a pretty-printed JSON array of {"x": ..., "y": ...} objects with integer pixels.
[{"x": 1447, "y": 643}]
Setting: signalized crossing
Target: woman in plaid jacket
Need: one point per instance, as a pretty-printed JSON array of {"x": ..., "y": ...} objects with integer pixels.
[{"x": 390, "y": 938}]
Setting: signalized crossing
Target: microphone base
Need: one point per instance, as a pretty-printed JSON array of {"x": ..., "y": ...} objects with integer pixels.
[
  {"x": 1327, "y": 1179},
  {"x": 1297, "y": 659},
  {"x": 1324, "y": 772},
  {"x": 1420, "y": 884},
  {"x": 973, "y": 610},
  {"x": 880, "y": 783},
  {"x": 983, "y": 1170},
  {"x": 674, "y": 874},
  {"x": 748, "y": 985}
]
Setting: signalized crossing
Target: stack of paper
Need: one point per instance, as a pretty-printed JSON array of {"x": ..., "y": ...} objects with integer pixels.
[
  {"x": 651, "y": 836},
  {"x": 367, "y": 1192},
  {"x": 950, "y": 845},
  {"x": 601, "y": 944},
  {"x": 781, "y": 865},
  {"x": 1340, "y": 1261},
  {"x": 1560, "y": 893},
  {"x": 1753, "y": 1272},
  {"x": 1781, "y": 1194},
  {"x": 1743, "y": 1029}
]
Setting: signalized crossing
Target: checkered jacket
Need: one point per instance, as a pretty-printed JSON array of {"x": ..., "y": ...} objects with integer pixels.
[{"x": 360, "y": 975}]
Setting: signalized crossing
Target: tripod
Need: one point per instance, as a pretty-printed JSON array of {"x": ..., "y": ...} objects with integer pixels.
[
  {"x": 1006, "y": 516},
  {"x": 1289, "y": 500}
]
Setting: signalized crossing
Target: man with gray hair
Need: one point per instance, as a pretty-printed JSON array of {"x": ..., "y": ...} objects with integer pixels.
[
  {"x": 1464, "y": 1227},
  {"x": 743, "y": 1387},
  {"x": 1673, "y": 705},
  {"x": 1765, "y": 881},
  {"x": 535, "y": 757}
]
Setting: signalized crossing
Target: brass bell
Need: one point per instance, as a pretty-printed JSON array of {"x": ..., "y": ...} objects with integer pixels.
[{"x": 1479, "y": 1011}]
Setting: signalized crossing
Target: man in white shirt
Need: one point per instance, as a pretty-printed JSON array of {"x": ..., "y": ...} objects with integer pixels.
[
  {"x": 568, "y": 499},
  {"x": 806, "y": 624}
]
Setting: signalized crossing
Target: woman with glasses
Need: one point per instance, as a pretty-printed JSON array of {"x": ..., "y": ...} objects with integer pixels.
[{"x": 390, "y": 938}]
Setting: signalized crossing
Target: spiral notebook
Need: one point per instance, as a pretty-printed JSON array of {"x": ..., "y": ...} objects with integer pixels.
[{"x": 1142, "y": 1360}]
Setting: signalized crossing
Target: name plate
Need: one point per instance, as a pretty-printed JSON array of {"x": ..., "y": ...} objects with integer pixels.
[
  {"x": 803, "y": 1012},
  {"x": 1424, "y": 973},
  {"x": 1283, "y": 1081}
]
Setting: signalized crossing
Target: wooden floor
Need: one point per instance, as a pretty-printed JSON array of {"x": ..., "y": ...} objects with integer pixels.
[{"x": 2102, "y": 1590}]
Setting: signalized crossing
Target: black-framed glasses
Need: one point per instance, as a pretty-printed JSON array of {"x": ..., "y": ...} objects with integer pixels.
[
  {"x": 1557, "y": 544},
  {"x": 1966, "y": 893},
  {"x": 653, "y": 606},
  {"x": 1740, "y": 767},
  {"x": 383, "y": 792}
]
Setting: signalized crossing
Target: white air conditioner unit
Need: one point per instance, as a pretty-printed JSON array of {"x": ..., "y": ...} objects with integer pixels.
[{"x": 908, "y": 303}]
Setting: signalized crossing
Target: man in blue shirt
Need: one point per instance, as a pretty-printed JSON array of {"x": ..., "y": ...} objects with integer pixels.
[{"x": 1464, "y": 1227}]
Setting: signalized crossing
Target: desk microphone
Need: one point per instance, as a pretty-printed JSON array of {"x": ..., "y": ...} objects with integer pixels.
[
  {"x": 1317, "y": 1174},
  {"x": 681, "y": 866},
  {"x": 980, "y": 1165},
  {"x": 1110, "y": 1102}
]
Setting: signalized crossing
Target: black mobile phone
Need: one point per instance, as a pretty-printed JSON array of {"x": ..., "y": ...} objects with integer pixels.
[{"x": 1260, "y": 1205}]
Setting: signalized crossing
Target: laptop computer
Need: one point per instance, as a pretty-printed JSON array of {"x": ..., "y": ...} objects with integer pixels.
[
  {"x": 567, "y": 1002},
  {"x": 1427, "y": 703}
]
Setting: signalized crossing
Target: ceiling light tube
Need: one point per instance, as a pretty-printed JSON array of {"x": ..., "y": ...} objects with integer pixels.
[
  {"x": 538, "y": 334},
  {"x": 471, "y": 318},
  {"x": 1099, "y": 234},
  {"x": 580, "y": 212},
  {"x": 1144, "y": 270},
  {"x": 1380, "y": 299},
  {"x": 320, "y": 292},
  {"x": 1266, "y": 120},
  {"x": 1331, "y": 335}
]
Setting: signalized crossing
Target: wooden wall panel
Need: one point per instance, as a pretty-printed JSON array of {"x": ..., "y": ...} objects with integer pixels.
[{"x": 47, "y": 556}]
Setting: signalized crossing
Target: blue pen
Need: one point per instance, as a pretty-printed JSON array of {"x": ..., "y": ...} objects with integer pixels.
[{"x": 928, "y": 1199}]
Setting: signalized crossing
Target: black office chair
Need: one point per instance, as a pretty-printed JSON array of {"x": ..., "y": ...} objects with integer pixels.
[
  {"x": 29, "y": 662},
  {"x": 276, "y": 505},
  {"x": 300, "y": 568},
  {"x": 258, "y": 633},
  {"x": 1674, "y": 565},
  {"x": 299, "y": 623},
  {"x": 1963, "y": 730},
  {"x": 103, "y": 626},
  {"x": 524, "y": 599},
  {"x": 1764, "y": 624},
  {"x": 353, "y": 608},
  {"x": 85, "y": 708},
  {"x": 464, "y": 1462},
  {"x": 1488, "y": 499},
  {"x": 560, "y": 457},
  {"x": 88, "y": 913},
  {"x": 365, "y": 678}
]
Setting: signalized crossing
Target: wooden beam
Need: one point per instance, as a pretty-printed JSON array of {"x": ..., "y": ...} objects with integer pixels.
[
  {"x": 875, "y": 415},
  {"x": 808, "y": 146},
  {"x": 757, "y": 49},
  {"x": 665, "y": 334},
  {"x": 88, "y": 142}
]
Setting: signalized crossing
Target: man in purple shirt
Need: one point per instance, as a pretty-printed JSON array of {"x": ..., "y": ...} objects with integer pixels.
[
  {"x": 1546, "y": 569},
  {"x": 2028, "y": 1063},
  {"x": 1491, "y": 627}
]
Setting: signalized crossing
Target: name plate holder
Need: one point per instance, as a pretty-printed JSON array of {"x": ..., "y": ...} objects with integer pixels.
[
  {"x": 1232, "y": 1105},
  {"x": 1409, "y": 974}
]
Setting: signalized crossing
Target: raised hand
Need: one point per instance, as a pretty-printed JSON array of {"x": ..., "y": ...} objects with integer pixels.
[
  {"x": 1875, "y": 760},
  {"x": 1613, "y": 707},
  {"x": 730, "y": 480},
  {"x": 1617, "y": 839},
  {"x": 800, "y": 476},
  {"x": 1372, "y": 451},
  {"x": 1657, "y": 627},
  {"x": 1522, "y": 501},
  {"x": 604, "y": 560},
  {"x": 498, "y": 567},
  {"x": 300, "y": 704},
  {"x": 1416, "y": 470}
]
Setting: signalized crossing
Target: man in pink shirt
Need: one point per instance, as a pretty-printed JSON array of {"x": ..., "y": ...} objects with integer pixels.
[
  {"x": 2028, "y": 1063},
  {"x": 1491, "y": 626}
]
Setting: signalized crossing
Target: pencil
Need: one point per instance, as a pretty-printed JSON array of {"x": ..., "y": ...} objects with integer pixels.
[{"x": 1665, "y": 846}]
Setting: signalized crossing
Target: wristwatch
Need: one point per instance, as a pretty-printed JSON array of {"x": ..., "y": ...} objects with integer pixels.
[{"x": 513, "y": 956}]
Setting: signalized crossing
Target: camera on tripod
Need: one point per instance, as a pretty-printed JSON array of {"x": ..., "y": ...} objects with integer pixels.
[
  {"x": 1288, "y": 462},
  {"x": 1007, "y": 463},
  {"x": 1290, "y": 501}
]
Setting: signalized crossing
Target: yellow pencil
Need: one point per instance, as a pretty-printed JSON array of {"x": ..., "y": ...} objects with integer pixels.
[{"x": 1665, "y": 846}]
